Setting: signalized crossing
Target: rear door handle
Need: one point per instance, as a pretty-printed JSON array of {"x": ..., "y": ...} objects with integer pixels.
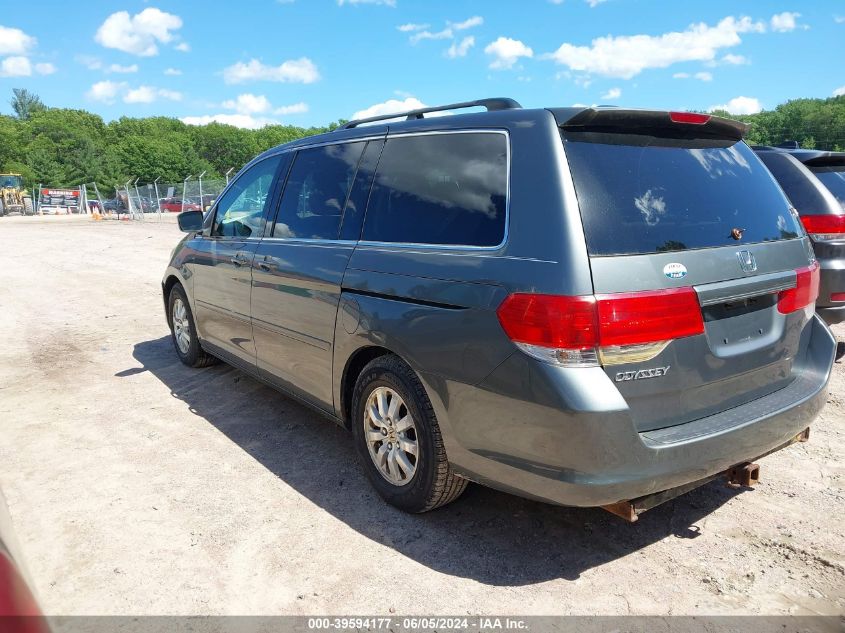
[
  {"x": 266, "y": 264},
  {"x": 239, "y": 259}
]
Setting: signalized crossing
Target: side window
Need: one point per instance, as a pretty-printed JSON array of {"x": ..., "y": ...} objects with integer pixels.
[
  {"x": 440, "y": 189},
  {"x": 240, "y": 211},
  {"x": 316, "y": 191},
  {"x": 356, "y": 204}
]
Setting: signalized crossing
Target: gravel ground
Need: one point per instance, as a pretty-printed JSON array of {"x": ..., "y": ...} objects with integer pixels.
[{"x": 139, "y": 486}]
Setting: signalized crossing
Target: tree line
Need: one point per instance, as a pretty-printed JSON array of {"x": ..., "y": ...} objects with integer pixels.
[{"x": 65, "y": 147}]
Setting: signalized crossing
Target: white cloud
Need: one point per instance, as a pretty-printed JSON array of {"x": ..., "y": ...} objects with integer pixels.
[
  {"x": 389, "y": 3},
  {"x": 460, "y": 49},
  {"x": 300, "y": 70},
  {"x": 141, "y": 94},
  {"x": 740, "y": 105},
  {"x": 295, "y": 108},
  {"x": 250, "y": 112},
  {"x": 149, "y": 94},
  {"x": 183, "y": 47},
  {"x": 45, "y": 68},
  {"x": 839, "y": 19},
  {"x": 421, "y": 32},
  {"x": 105, "y": 91},
  {"x": 139, "y": 34},
  {"x": 701, "y": 76},
  {"x": 14, "y": 41},
  {"x": 594, "y": 3},
  {"x": 117, "y": 68},
  {"x": 625, "y": 56},
  {"x": 248, "y": 104},
  {"x": 238, "y": 120},
  {"x": 786, "y": 21},
  {"x": 16, "y": 66},
  {"x": 506, "y": 52},
  {"x": 469, "y": 23},
  {"x": 411, "y": 27},
  {"x": 445, "y": 34},
  {"x": 839, "y": 92},
  {"x": 734, "y": 60},
  {"x": 612, "y": 94},
  {"x": 389, "y": 107},
  {"x": 172, "y": 72},
  {"x": 172, "y": 95}
]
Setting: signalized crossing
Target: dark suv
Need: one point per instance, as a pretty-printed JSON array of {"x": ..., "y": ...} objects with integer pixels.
[
  {"x": 588, "y": 306},
  {"x": 814, "y": 181}
]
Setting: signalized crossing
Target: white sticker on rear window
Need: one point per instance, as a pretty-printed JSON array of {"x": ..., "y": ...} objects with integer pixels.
[{"x": 675, "y": 270}]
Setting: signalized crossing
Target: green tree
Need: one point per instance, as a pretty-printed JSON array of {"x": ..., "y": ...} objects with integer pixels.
[
  {"x": 224, "y": 146},
  {"x": 25, "y": 103}
]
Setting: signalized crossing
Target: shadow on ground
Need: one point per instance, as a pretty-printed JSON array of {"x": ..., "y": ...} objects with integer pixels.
[{"x": 491, "y": 537}]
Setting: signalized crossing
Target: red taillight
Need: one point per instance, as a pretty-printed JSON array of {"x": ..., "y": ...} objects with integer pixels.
[
  {"x": 550, "y": 320},
  {"x": 601, "y": 321},
  {"x": 805, "y": 292},
  {"x": 825, "y": 227},
  {"x": 689, "y": 117},
  {"x": 644, "y": 317},
  {"x": 837, "y": 296}
]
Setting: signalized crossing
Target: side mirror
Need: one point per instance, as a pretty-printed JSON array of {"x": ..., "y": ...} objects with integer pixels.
[{"x": 190, "y": 221}]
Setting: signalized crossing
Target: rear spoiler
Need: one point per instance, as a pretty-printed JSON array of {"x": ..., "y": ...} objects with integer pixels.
[
  {"x": 828, "y": 159},
  {"x": 657, "y": 122}
]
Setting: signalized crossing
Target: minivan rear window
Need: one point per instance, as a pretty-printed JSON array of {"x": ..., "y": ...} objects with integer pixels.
[
  {"x": 796, "y": 183},
  {"x": 643, "y": 194},
  {"x": 833, "y": 178}
]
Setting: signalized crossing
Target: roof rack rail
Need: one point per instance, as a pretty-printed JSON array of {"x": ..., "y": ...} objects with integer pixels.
[{"x": 497, "y": 103}]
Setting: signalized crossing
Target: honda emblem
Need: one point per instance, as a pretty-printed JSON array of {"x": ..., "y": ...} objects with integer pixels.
[{"x": 746, "y": 261}]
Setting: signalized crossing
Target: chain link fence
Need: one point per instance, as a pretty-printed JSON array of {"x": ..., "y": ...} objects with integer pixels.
[{"x": 152, "y": 201}]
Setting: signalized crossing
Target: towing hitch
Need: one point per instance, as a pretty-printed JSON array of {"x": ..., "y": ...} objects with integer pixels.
[{"x": 742, "y": 475}]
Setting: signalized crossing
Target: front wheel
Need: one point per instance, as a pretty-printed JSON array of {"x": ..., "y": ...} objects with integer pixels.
[
  {"x": 27, "y": 206},
  {"x": 183, "y": 330},
  {"x": 398, "y": 438}
]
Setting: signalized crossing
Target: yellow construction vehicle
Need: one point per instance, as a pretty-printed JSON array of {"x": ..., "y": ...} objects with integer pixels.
[{"x": 13, "y": 197}]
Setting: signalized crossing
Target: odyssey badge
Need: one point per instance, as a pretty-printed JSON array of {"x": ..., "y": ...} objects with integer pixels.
[{"x": 675, "y": 270}]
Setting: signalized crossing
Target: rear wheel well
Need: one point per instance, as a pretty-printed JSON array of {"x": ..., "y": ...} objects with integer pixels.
[
  {"x": 354, "y": 366},
  {"x": 171, "y": 281}
]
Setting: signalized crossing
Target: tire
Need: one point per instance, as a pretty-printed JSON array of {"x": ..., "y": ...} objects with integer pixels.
[
  {"x": 27, "y": 206},
  {"x": 432, "y": 483},
  {"x": 2, "y": 209},
  {"x": 183, "y": 331}
]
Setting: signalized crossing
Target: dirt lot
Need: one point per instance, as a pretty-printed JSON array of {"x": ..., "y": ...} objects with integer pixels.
[{"x": 139, "y": 486}]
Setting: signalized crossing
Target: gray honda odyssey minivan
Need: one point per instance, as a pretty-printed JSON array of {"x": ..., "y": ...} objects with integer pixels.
[{"x": 586, "y": 306}]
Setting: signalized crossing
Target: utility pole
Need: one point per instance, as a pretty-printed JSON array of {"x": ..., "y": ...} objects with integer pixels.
[
  {"x": 185, "y": 190},
  {"x": 158, "y": 199},
  {"x": 202, "y": 200}
]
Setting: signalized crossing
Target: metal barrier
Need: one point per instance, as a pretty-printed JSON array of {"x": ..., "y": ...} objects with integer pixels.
[{"x": 152, "y": 201}]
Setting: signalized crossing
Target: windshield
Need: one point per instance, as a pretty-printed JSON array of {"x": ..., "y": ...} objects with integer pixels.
[
  {"x": 10, "y": 181},
  {"x": 644, "y": 194},
  {"x": 834, "y": 179}
]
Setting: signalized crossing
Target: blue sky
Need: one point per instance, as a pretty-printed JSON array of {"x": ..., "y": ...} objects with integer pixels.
[{"x": 308, "y": 62}]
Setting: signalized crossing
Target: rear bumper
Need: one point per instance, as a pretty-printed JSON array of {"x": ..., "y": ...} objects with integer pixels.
[
  {"x": 580, "y": 447},
  {"x": 832, "y": 280}
]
